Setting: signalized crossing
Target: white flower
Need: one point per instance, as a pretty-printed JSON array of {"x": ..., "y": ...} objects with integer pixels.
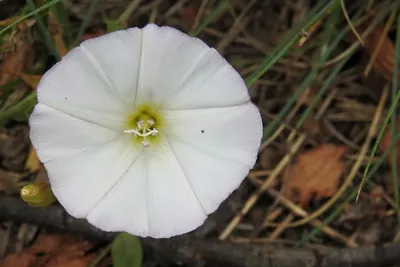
[{"x": 144, "y": 131}]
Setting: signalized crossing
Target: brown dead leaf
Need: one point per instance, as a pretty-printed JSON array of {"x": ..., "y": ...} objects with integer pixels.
[
  {"x": 384, "y": 61},
  {"x": 385, "y": 144},
  {"x": 316, "y": 172},
  {"x": 20, "y": 55},
  {"x": 52, "y": 251}
]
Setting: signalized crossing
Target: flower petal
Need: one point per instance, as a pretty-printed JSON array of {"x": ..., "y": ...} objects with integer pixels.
[
  {"x": 75, "y": 87},
  {"x": 231, "y": 132},
  {"x": 173, "y": 208},
  {"x": 116, "y": 56},
  {"x": 212, "y": 82},
  {"x": 82, "y": 180},
  {"x": 178, "y": 71},
  {"x": 124, "y": 208},
  {"x": 55, "y": 134},
  {"x": 211, "y": 177}
]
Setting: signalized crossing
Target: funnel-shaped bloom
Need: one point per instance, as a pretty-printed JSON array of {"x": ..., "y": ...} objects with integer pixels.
[{"x": 144, "y": 131}]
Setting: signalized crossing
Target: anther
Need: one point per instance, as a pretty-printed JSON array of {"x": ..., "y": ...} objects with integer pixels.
[
  {"x": 143, "y": 130},
  {"x": 139, "y": 124}
]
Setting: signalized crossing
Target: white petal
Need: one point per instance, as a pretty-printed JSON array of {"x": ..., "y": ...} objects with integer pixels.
[
  {"x": 116, "y": 57},
  {"x": 212, "y": 82},
  {"x": 75, "y": 87},
  {"x": 124, "y": 208},
  {"x": 81, "y": 181},
  {"x": 212, "y": 178},
  {"x": 55, "y": 134},
  {"x": 179, "y": 71},
  {"x": 173, "y": 208},
  {"x": 232, "y": 132}
]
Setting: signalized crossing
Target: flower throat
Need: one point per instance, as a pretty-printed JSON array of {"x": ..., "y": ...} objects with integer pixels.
[{"x": 144, "y": 125}]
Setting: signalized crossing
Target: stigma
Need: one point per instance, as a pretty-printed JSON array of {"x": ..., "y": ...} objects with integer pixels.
[{"x": 143, "y": 130}]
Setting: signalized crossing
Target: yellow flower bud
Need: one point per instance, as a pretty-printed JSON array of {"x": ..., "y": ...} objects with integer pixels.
[{"x": 38, "y": 195}]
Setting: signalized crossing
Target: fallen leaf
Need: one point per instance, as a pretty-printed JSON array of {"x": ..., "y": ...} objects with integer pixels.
[
  {"x": 20, "y": 55},
  {"x": 52, "y": 251},
  {"x": 316, "y": 172},
  {"x": 383, "y": 146},
  {"x": 384, "y": 61}
]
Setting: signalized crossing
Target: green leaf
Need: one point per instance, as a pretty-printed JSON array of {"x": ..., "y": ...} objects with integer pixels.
[
  {"x": 112, "y": 25},
  {"x": 126, "y": 251},
  {"x": 20, "y": 111}
]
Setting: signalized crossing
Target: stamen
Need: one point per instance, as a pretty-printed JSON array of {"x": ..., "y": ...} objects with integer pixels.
[
  {"x": 143, "y": 130},
  {"x": 140, "y": 124}
]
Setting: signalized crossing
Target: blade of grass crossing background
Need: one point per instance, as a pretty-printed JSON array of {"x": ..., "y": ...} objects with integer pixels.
[
  {"x": 30, "y": 14},
  {"x": 282, "y": 49},
  {"x": 395, "y": 95},
  {"x": 385, "y": 123},
  {"x": 292, "y": 37},
  {"x": 86, "y": 21},
  {"x": 210, "y": 17},
  {"x": 46, "y": 35}
]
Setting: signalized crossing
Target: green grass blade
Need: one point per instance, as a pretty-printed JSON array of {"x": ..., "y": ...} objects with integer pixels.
[
  {"x": 47, "y": 38},
  {"x": 306, "y": 82},
  {"x": 86, "y": 21},
  {"x": 379, "y": 138},
  {"x": 381, "y": 131},
  {"x": 395, "y": 92},
  {"x": 291, "y": 38},
  {"x": 62, "y": 15},
  {"x": 218, "y": 10},
  {"x": 21, "y": 110},
  {"x": 30, "y": 14},
  {"x": 328, "y": 81}
]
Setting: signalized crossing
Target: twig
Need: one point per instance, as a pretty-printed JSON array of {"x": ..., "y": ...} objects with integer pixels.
[{"x": 188, "y": 249}]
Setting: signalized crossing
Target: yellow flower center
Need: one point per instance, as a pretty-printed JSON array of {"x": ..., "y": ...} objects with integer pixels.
[{"x": 144, "y": 125}]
